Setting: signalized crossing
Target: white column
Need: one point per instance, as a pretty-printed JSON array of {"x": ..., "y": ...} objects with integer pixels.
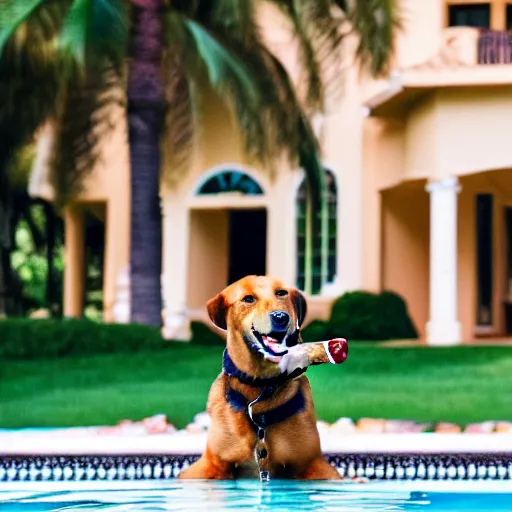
[
  {"x": 176, "y": 225},
  {"x": 443, "y": 327},
  {"x": 281, "y": 228}
]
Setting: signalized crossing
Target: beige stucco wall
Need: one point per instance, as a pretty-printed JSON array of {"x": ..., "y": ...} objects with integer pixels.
[
  {"x": 448, "y": 132},
  {"x": 421, "y": 140},
  {"x": 405, "y": 247},
  {"x": 208, "y": 257},
  {"x": 421, "y": 29},
  {"x": 474, "y": 130}
]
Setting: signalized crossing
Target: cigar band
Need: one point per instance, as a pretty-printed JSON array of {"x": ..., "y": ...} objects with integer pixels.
[{"x": 328, "y": 352}]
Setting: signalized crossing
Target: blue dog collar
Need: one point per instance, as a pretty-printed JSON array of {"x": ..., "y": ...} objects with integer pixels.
[{"x": 231, "y": 370}]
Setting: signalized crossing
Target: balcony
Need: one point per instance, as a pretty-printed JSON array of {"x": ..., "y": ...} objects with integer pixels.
[
  {"x": 461, "y": 57},
  {"x": 494, "y": 47}
]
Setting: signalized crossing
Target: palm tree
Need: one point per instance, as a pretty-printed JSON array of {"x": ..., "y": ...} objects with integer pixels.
[{"x": 158, "y": 51}]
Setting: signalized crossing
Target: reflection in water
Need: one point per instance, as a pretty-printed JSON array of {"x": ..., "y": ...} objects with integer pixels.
[{"x": 247, "y": 495}]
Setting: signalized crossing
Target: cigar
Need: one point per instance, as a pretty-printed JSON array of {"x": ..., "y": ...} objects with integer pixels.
[{"x": 333, "y": 351}]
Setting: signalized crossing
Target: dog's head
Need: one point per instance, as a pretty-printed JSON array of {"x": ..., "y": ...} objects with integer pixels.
[{"x": 262, "y": 318}]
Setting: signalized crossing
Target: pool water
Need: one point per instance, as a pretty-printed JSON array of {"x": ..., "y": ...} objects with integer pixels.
[{"x": 431, "y": 496}]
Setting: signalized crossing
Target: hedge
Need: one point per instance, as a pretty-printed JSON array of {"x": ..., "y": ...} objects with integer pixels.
[
  {"x": 356, "y": 316},
  {"x": 315, "y": 331},
  {"x": 363, "y": 315},
  {"x": 23, "y": 338}
]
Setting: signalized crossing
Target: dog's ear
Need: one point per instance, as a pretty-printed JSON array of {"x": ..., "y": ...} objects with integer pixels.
[
  {"x": 217, "y": 311},
  {"x": 300, "y": 305}
]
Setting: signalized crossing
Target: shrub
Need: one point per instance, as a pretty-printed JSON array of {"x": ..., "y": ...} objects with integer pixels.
[
  {"x": 315, "y": 331},
  {"x": 395, "y": 317},
  {"x": 203, "y": 335},
  {"x": 363, "y": 315},
  {"x": 22, "y": 338}
]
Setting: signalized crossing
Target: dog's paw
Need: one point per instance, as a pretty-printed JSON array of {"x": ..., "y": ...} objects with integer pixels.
[{"x": 294, "y": 359}]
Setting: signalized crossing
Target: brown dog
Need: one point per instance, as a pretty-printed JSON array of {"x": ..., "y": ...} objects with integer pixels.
[{"x": 262, "y": 419}]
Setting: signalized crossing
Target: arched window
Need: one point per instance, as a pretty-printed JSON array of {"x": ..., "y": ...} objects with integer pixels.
[
  {"x": 230, "y": 181},
  {"x": 321, "y": 267}
]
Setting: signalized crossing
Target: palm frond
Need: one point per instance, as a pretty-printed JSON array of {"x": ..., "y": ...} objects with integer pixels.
[
  {"x": 84, "y": 120},
  {"x": 14, "y": 13},
  {"x": 220, "y": 62},
  {"x": 317, "y": 32},
  {"x": 29, "y": 78},
  {"x": 307, "y": 152},
  {"x": 244, "y": 87},
  {"x": 180, "y": 119},
  {"x": 78, "y": 97},
  {"x": 226, "y": 16},
  {"x": 375, "y": 22},
  {"x": 95, "y": 30},
  {"x": 21, "y": 166},
  {"x": 250, "y": 79}
]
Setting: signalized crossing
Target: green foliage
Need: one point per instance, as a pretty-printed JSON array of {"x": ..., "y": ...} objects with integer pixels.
[
  {"x": 31, "y": 339},
  {"x": 12, "y": 14},
  {"x": 203, "y": 335},
  {"x": 31, "y": 266},
  {"x": 93, "y": 29},
  {"x": 315, "y": 331},
  {"x": 363, "y": 315},
  {"x": 395, "y": 316},
  {"x": 22, "y": 338}
]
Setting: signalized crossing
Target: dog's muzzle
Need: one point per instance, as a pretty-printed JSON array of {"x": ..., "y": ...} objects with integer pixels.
[{"x": 273, "y": 345}]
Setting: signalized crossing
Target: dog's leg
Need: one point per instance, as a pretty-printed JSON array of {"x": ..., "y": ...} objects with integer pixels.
[
  {"x": 208, "y": 467},
  {"x": 319, "y": 469}
]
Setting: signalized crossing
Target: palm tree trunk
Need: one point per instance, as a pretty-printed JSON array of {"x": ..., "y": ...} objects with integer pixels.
[
  {"x": 145, "y": 116},
  {"x": 5, "y": 241}
]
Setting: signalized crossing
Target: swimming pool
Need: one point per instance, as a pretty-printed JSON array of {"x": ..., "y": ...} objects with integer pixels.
[{"x": 172, "y": 495}]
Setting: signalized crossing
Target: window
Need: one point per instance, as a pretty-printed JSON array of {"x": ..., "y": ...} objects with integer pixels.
[
  {"x": 470, "y": 15},
  {"x": 484, "y": 257},
  {"x": 321, "y": 267},
  {"x": 509, "y": 17},
  {"x": 230, "y": 181}
]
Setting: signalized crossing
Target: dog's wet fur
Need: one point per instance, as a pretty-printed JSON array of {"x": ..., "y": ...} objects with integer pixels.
[{"x": 244, "y": 310}]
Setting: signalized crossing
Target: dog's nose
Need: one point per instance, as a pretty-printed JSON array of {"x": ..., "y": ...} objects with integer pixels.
[{"x": 280, "y": 320}]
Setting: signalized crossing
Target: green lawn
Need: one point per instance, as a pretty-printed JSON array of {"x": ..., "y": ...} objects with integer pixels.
[{"x": 463, "y": 384}]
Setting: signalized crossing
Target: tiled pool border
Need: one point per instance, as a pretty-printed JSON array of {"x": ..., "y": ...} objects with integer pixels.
[{"x": 374, "y": 466}]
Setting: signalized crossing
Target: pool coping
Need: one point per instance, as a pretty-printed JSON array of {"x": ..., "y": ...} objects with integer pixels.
[{"x": 183, "y": 443}]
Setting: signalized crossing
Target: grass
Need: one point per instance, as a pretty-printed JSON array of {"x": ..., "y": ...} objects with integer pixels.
[{"x": 459, "y": 384}]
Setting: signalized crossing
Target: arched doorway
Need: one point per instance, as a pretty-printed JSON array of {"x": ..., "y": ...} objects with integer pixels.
[{"x": 228, "y": 233}]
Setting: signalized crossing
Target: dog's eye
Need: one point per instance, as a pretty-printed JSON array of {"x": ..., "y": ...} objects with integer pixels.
[
  {"x": 281, "y": 293},
  {"x": 249, "y": 299}
]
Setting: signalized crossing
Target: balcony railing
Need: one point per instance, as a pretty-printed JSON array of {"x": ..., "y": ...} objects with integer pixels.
[{"x": 494, "y": 47}]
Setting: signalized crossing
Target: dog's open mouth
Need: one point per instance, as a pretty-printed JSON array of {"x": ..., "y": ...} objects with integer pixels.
[{"x": 272, "y": 346}]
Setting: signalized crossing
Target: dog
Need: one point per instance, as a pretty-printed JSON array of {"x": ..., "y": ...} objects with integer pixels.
[{"x": 263, "y": 421}]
